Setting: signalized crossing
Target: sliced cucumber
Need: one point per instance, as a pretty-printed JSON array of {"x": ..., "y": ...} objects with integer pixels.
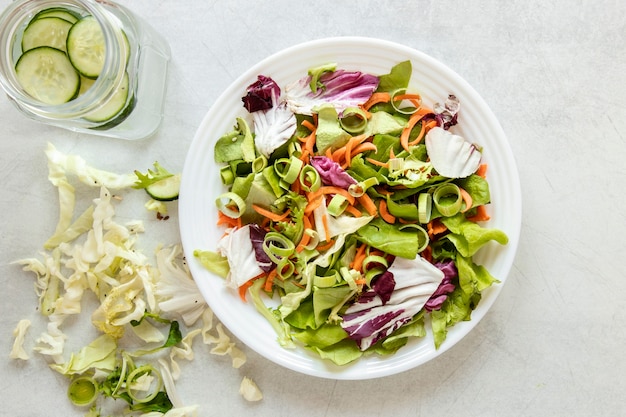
[
  {"x": 165, "y": 190},
  {"x": 86, "y": 47},
  {"x": 47, "y": 31},
  {"x": 113, "y": 106},
  {"x": 47, "y": 75},
  {"x": 60, "y": 12}
]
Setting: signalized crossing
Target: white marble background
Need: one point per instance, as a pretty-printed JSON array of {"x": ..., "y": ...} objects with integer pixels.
[{"x": 554, "y": 73}]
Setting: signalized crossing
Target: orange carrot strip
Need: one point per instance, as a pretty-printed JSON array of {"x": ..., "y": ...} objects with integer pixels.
[
  {"x": 363, "y": 147},
  {"x": 435, "y": 227},
  {"x": 308, "y": 125},
  {"x": 368, "y": 204},
  {"x": 329, "y": 189},
  {"x": 425, "y": 128},
  {"x": 244, "y": 287},
  {"x": 376, "y": 98},
  {"x": 269, "y": 281},
  {"x": 406, "y": 132},
  {"x": 326, "y": 246},
  {"x": 326, "y": 228},
  {"x": 270, "y": 214},
  {"x": 305, "y": 237},
  {"x": 377, "y": 163},
  {"x": 482, "y": 170},
  {"x": 384, "y": 213},
  {"x": 481, "y": 215},
  {"x": 467, "y": 199},
  {"x": 354, "y": 211},
  {"x": 359, "y": 256}
]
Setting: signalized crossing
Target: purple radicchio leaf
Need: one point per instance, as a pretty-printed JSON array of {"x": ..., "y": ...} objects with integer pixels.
[
  {"x": 331, "y": 172},
  {"x": 259, "y": 94},
  {"x": 257, "y": 236},
  {"x": 446, "y": 287},
  {"x": 371, "y": 319},
  {"x": 340, "y": 88}
]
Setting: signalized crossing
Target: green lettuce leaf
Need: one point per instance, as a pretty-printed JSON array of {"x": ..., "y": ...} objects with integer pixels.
[{"x": 468, "y": 237}]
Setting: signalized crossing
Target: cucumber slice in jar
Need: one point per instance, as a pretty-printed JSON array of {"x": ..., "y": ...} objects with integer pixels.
[
  {"x": 47, "y": 75},
  {"x": 59, "y": 12},
  {"x": 86, "y": 47},
  {"x": 47, "y": 31},
  {"x": 113, "y": 106}
]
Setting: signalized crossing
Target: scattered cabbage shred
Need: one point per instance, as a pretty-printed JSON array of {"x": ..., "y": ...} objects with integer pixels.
[{"x": 90, "y": 252}]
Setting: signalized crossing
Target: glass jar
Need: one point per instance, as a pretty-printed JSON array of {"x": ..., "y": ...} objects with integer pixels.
[{"x": 125, "y": 100}]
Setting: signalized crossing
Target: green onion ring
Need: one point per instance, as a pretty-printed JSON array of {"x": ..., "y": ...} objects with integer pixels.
[
  {"x": 337, "y": 205},
  {"x": 83, "y": 391},
  {"x": 142, "y": 370},
  {"x": 224, "y": 204},
  {"x": 371, "y": 260},
  {"x": 358, "y": 189},
  {"x": 424, "y": 207},
  {"x": 259, "y": 164},
  {"x": 406, "y": 110},
  {"x": 315, "y": 239},
  {"x": 353, "y": 120},
  {"x": 422, "y": 236},
  {"x": 227, "y": 175},
  {"x": 310, "y": 179},
  {"x": 325, "y": 281},
  {"x": 373, "y": 273},
  {"x": 277, "y": 246},
  {"x": 446, "y": 207},
  {"x": 285, "y": 268},
  {"x": 288, "y": 169}
]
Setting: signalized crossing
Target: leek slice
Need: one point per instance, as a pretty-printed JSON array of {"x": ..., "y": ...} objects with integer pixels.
[
  {"x": 447, "y": 199},
  {"x": 225, "y": 203}
]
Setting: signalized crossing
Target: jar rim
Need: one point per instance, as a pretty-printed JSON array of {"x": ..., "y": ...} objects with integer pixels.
[{"x": 17, "y": 16}]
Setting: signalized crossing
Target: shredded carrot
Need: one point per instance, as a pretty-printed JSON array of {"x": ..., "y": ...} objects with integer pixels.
[
  {"x": 360, "y": 281},
  {"x": 330, "y": 189},
  {"x": 377, "y": 163},
  {"x": 382, "y": 97},
  {"x": 392, "y": 154},
  {"x": 415, "y": 99},
  {"x": 406, "y": 132},
  {"x": 308, "y": 125},
  {"x": 354, "y": 211},
  {"x": 326, "y": 228},
  {"x": 305, "y": 237},
  {"x": 427, "y": 253},
  {"x": 384, "y": 213},
  {"x": 425, "y": 128},
  {"x": 435, "y": 227},
  {"x": 482, "y": 170},
  {"x": 481, "y": 215},
  {"x": 326, "y": 246},
  {"x": 467, "y": 199},
  {"x": 363, "y": 147},
  {"x": 244, "y": 287},
  {"x": 270, "y": 214},
  {"x": 359, "y": 256},
  {"x": 223, "y": 219},
  {"x": 269, "y": 281},
  {"x": 368, "y": 204}
]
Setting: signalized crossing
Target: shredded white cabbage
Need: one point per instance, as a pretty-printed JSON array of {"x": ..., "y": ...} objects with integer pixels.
[
  {"x": 93, "y": 253},
  {"x": 18, "y": 352},
  {"x": 249, "y": 390}
]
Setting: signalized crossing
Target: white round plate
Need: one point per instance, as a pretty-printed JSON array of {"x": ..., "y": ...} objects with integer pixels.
[{"x": 201, "y": 185}]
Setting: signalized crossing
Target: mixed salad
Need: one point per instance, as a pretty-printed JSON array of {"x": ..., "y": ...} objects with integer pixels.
[{"x": 352, "y": 204}]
